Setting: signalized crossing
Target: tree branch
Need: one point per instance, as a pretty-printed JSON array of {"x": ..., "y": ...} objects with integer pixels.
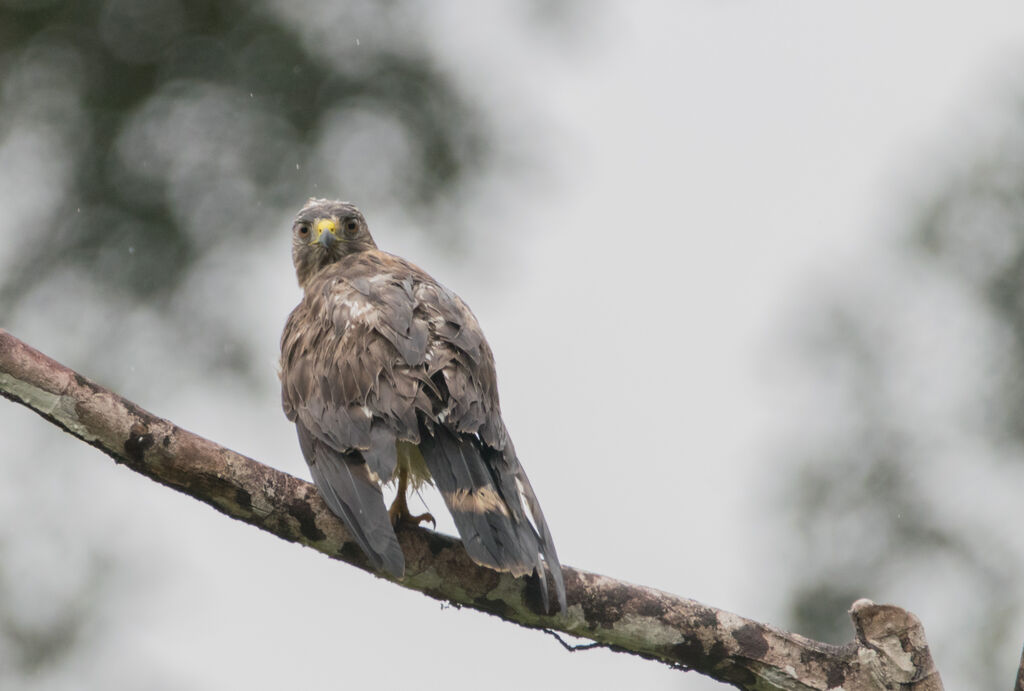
[{"x": 890, "y": 651}]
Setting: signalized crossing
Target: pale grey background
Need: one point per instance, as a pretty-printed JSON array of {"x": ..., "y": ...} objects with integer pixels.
[{"x": 699, "y": 175}]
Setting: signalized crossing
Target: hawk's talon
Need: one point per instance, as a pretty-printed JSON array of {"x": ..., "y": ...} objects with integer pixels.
[{"x": 399, "y": 511}]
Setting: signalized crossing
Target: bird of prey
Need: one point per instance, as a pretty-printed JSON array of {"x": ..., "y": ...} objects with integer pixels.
[{"x": 387, "y": 377}]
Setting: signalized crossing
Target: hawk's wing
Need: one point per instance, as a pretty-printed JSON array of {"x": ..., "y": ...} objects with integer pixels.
[{"x": 379, "y": 352}]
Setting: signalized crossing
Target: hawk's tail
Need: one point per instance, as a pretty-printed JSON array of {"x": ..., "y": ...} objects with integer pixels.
[{"x": 482, "y": 488}]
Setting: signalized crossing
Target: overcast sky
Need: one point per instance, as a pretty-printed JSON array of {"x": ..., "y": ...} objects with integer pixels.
[{"x": 690, "y": 170}]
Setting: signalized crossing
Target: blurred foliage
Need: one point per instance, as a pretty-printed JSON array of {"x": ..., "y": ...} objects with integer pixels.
[
  {"x": 868, "y": 511},
  {"x": 974, "y": 229},
  {"x": 33, "y": 642},
  {"x": 146, "y": 145},
  {"x": 138, "y": 138}
]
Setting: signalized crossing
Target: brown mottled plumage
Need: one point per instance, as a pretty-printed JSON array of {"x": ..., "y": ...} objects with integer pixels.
[{"x": 387, "y": 375}]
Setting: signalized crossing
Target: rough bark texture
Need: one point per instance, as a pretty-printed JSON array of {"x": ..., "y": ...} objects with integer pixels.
[
  {"x": 889, "y": 652},
  {"x": 1019, "y": 686}
]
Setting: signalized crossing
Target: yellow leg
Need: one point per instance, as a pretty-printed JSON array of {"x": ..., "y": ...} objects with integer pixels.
[{"x": 399, "y": 511}]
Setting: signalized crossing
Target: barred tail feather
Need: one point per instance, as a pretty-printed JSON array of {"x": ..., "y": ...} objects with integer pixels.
[
  {"x": 480, "y": 513},
  {"x": 484, "y": 502}
]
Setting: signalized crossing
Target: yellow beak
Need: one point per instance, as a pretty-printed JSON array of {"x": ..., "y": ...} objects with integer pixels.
[{"x": 324, "y": 232}]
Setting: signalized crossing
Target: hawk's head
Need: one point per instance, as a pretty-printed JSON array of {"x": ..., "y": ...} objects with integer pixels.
[{"x": 325, "y": 231}]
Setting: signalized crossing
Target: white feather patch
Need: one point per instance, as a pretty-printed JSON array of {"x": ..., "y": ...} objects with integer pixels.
[
  {"x": 357, "y": 309},
  {"x": 481, "y": 500}
]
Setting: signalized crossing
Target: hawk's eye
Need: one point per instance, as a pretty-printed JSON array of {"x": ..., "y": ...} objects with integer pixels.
[
  {"x": 351, "y": 225},
  {"x": 303, "y": 229}
]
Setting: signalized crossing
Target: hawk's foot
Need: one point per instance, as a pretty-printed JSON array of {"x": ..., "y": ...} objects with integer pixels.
[
  {"x": 399, "y": 513},
  {"x": 416, "y": 520}
]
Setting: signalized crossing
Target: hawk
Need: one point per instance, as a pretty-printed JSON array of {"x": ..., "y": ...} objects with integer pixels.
[{"x": 387, "y": 377}]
